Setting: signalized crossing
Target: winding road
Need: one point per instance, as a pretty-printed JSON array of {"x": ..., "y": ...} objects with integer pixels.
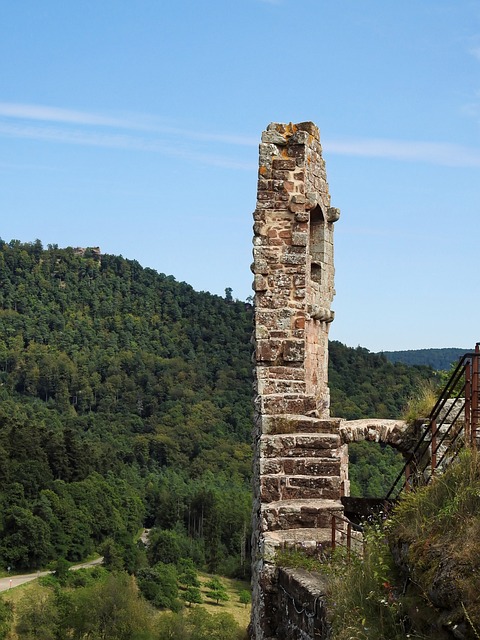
[{"x": 16, "y": 580}]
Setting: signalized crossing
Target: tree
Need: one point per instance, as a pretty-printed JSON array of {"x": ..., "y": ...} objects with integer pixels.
[
  {"x": 37, "y": 616},
  {"x": 188, "y": 575},
  {"x": 207, "y": 626},
  {"x": 112, "y": 555},
  {"x": 61, "y": 570},
  {"x": 217, "y": 590},
  {"x": 192, "y": 595},
  {"x": 245, "y": 597},
  {"x": 111, "y": 610},
  {"x": 26, "y": 539},
  {"x": 159, "y": 585}
]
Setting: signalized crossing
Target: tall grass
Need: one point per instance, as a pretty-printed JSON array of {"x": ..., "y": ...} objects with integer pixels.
[
  {"x": 420, "y": 404},
  {"x": 439, "y": 526},
  {"x": 363, "y": 594}
]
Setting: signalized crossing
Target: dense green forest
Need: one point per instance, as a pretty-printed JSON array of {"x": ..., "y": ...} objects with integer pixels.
[
  {"x": 126, "y": 402},
  {"x": 365, "y": 384},
  {"x": 438, "y": 359}
]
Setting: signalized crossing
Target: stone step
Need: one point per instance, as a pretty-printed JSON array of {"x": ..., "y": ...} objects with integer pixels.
[
  {"x": 281, "y": 487},
  {"x": 309, "y": 540},
  {"x": 286, "y": 403},
  {"x": 301, "y": 466},
  {"x": 300, "y": 445},
  {"x": 278, "y": 424},
  {"x": 299, "y": 514}
]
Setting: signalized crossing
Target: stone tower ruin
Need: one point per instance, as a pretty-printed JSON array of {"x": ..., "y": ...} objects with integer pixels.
[{"x": 300, "y": 466}]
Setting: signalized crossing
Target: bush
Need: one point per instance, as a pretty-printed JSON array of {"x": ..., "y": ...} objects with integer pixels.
[{"x": 159, "y": 585}]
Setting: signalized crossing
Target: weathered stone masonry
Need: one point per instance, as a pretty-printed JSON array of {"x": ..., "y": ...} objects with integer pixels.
[{"x": 300, "y": 464}]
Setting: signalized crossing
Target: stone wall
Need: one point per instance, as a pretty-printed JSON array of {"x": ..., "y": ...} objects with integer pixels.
[
  {"x": 300, "y": 463},
  {"x": 301, "y": 606}
]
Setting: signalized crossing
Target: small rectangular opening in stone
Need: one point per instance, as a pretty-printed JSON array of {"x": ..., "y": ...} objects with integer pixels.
[{"x": 316, "y": 273}]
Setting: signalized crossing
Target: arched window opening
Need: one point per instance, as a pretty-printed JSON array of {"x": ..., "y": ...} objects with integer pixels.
[
  {"x": 317, "y": 243},
  {"x": 373, "y": 468}
]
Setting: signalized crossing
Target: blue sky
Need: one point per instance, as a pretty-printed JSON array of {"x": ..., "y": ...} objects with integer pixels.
[{"x": 134, "y": 125}]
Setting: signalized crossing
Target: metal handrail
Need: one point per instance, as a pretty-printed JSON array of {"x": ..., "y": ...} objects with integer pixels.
[
  {"x": 419, "y": 460},
  {"x": 350, "y": 526}
]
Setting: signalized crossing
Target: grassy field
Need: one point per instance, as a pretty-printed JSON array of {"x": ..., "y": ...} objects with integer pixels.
[{"x": 239, "y": 611}]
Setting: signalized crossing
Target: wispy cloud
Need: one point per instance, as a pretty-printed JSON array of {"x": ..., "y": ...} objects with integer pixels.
[
  {"x": 41, "y": 113},
  {"x": 134, "y": 133},
  {"x": 149, "y": 134},
  {"x": 54, "y": 114},
  {"x": 117, "y": 141},
  {"x": 445, "y": 154}
]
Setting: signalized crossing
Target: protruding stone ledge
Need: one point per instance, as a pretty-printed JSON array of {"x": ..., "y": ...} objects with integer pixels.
[{"x": 392, "y": 432}]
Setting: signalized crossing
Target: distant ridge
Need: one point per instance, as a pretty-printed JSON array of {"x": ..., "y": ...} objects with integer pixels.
[{"x": 439, "y": 359}]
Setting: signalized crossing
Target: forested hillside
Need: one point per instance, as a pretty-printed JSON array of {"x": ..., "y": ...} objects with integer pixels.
[
  {"x": 126, "y": 401},
  {"x": 438, "y": 359},
  {"x": 365, "y": 384},
  {"x": 125, "y": 398}
]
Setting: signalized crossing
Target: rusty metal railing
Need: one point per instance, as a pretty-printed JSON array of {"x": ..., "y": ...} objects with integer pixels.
[
  {"x": 340, "y": 537},
  {"x": 440, "y": 444}
]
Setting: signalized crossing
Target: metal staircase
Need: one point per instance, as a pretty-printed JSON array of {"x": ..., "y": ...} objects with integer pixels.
[{"x": 452, "y": 425}]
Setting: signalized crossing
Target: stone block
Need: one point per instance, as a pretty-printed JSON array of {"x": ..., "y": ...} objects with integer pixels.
[
  {"x": 294, "y": 257},
  {"x": 300, "y": 137},
  {"x": 278, "y": 386},
  {"x": 268, "y": 350},
  {"x": 292, "y": 424},
  {"x": 260, "y": 283},
  {"x": 296, "y": 150},
  {"x": 277, "y": 487},
  {"x": 299, "y": 239},
  {"x": 288, "y": 404},
  {"x": 283, "y": 164},
  {"x": 300, "y": 214},
  {"x": 298, "y": 445},
  {"x": 273, "y": 137},
  {"x": 280, "y": 174},
  {"x": 287, "y": 373},
  {"x": 295, "y": 207},
  {"x": 310, "y": 466},
  {"x": 300, "y": 323},
  {"x": 310, "y": 128},
  {"x": 293, "y": 350},
  {"x": 301, "y": 514}
]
